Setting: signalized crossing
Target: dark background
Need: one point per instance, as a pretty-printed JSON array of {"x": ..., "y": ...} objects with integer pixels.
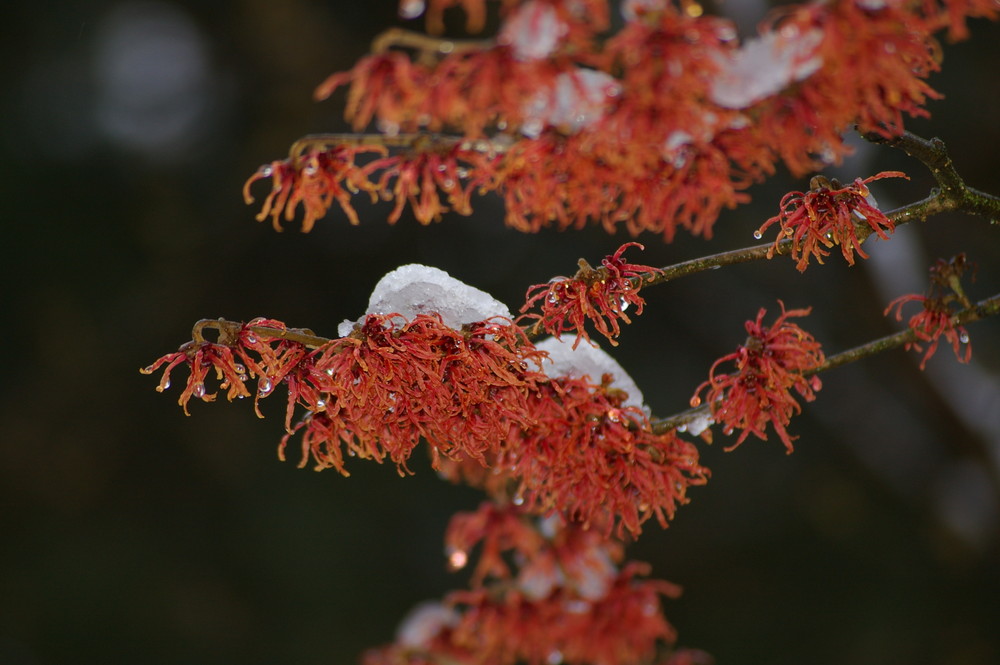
[{"x": 132, "y": 534}]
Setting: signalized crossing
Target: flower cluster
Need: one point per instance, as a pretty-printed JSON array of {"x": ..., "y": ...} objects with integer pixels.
[
  {"x": 395, "y": 382},
  {"x": 656, "y": 126},
  {"x": 773, "y": 360},
  {"x": 601, "y": 295},
  {"x": 936, "y": 319},
  {"x": 829, "y": 214},
  {"x": 260, "y": 349},
  {"x": 477, "y": 396},
  {"x": 551, "y": 592}
]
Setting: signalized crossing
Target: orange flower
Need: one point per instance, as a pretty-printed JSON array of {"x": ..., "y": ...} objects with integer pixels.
[
  {"x": 772, "y": 361},
  {"x": 934, "y": 321},
  {"x": 829, "y": 214},
  {"x": 601, "y": 295}
]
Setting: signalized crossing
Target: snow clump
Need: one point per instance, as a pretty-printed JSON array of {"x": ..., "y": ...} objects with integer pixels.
[
  {"x": 590, "y": 361},
  {"x": 416, "y": 289},
  {"x": 764, "y": 66}
]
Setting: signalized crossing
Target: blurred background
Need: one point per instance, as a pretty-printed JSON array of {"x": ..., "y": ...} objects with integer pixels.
[{"x": 130, "y": 533}]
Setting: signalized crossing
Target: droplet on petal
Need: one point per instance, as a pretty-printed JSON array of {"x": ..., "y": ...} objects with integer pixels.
[
  {"x": 198, "y": 390},
  {"x": 695, "y": 401},
  {"x": 265, "y": 387},
  {"x": 963, "y": 337},
  {"x": 758, "y": 235}
]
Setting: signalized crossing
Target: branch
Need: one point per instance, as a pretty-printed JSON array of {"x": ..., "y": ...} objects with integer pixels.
[{"x": 981, "y": 310}]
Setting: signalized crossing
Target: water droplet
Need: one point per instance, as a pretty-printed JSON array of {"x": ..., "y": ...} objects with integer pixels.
[
  {"x": 266, "y": 171},
  {"x": 695, "y": 401},
  {"x": 758, "y": 235},
  {"x": 243, "y": 377},
  {"x": 265, "y": 387},
  {"x": 447, "y": 184},
  {"x": 329, "y": 371},
  {"x": 310, "y": 170},
  {"x": 553, "y": 299},
  {"x": 320, "y": 404},
  {"x": 622, "y": 304},
  {"x": 251, "y": 338},
  {"x": 409, "y": 9},
  {"x": 198, "y": 390},
  {"x": 554, "y": 658},
  {"x": 165, "y": 385},
  {"x": 614, "y": 415},
  {"x": 240, "y": 369},
  {"x": 963, "y": 337},
  {"x": 457, "y": 559}
]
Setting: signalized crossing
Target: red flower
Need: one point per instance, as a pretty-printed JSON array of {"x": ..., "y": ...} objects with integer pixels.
[
  {"x": 772, "y": 361},
  {"x": 555, "y": 593},
  {"x": 934, "y": 321},
  {"x": 601, "y": 295},
  {"x": 315, "y": 180},
  {"x": 829, "y": 214}
]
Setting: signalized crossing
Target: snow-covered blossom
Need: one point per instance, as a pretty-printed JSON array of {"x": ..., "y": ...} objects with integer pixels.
[
  {"x": 576, "y": 100},
  {"x": 416, "y": 289},
  {"x": 533, "y": 30},
  {"x": 568, "y": 358},
  {"x": 764, "y": 66}
]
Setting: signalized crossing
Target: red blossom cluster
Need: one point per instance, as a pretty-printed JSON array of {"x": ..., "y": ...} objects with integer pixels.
[
  {"x": 773, "y": 360},
  {"x": 658, "y": 126},
  {"x": 943, "y": 300},
  {"x": 545, "y": 592},
  {"x": 599, "y": 295},
  {"x": 829, "y": 214},
  {"x": 489, "y": 416}
]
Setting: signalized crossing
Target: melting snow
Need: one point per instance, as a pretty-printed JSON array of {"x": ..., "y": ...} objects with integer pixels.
[
  {"x": 533, "y": 31},
  {"x": 591, "y": 361},
  {"x": 764, "y": 66},
  {"x": 416, "y": 289},
  {"x": 577, "y": 100}
]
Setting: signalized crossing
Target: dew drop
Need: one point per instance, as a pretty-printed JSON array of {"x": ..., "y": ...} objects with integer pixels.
[
  {"x": 518, "y": 499},
  {"x": 457, "y": 559},
  {"x": 266, "y": 171},
  {"x": 251, "y": 339},
  {"x": 198, "y": 390},
  {"x": 320, "y": 404},
  {"x": 758, "y": 235},
  {"x": 265, "y": 387},
  {"x": 695, "y": 401},
  {"x": 240, "y": 369},
  {"x": 622, "y": 304},
  {"x": 165, "y": 385},
  {"x": 554, "y": 658},
  {"x": 963, "y": 337},
  {"x": 329, "y": 371}
]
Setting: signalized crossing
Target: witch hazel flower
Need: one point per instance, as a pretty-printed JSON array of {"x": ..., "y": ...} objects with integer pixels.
[
  {"x": 773, "y": 361},
  {"x": 935, "y": 320},
  {"x": 601, "y": 295},
  {"x": 556, "y": 592},
  {"x": 829, "y": 214}
]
